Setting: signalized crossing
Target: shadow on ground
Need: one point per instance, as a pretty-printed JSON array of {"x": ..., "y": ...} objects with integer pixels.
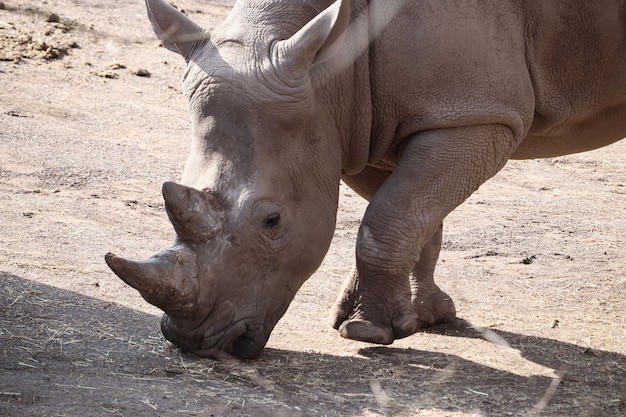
[{"x": 65, "y": 354}]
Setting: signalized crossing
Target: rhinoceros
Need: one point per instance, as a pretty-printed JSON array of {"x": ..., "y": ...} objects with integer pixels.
[{"x": 413, "y": 104}]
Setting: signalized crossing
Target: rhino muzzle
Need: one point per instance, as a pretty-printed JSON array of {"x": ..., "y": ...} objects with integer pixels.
[
  {"x": 170, "y": 280},
  {"x": 240, "y": 339}
]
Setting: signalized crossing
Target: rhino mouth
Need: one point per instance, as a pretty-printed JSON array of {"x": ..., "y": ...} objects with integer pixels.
[{"x": 240, "y": 340}]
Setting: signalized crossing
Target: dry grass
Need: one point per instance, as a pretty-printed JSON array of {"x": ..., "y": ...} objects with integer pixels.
[{"x": 84, "y": 350}]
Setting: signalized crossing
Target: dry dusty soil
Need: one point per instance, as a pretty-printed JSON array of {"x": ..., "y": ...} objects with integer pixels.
[{"x": 535, "y": 259}]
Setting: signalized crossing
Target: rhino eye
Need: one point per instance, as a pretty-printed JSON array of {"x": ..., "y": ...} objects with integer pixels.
[{"x": 272, "y": 220}]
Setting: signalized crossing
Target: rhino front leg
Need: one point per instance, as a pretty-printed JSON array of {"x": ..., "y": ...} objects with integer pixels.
[
  {"x": 430, "y": 303},
  {"x": 348, "y": 304},
  {"x": 391, "y": 292}
]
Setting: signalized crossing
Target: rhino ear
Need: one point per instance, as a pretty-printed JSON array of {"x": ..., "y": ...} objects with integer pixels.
[
  {"x": 317, "y": 41},
  {"x": 177, "y": 32}
]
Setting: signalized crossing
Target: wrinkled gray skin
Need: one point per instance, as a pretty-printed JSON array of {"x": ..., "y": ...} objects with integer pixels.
[{"x": 287, "y": 97}]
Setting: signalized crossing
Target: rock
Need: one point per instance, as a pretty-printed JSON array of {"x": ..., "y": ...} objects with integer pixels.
[
  {"x": 53, "y": 18},
  {"x": 141, "y": 72}
]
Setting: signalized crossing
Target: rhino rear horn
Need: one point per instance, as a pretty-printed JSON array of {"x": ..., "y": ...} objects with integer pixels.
[
  {"x": 195, "y": 215},
  {"x": 168, "y": 280}
]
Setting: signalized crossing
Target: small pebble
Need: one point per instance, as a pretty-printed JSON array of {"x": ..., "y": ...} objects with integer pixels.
[
  {"x": 141, "y": 72},
  {"x": 53, "y": 18}
]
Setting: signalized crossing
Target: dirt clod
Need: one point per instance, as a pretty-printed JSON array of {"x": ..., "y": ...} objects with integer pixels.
[
  {"x": 528, "y": 260},
  {"x": 116, "y": 66},
  {"x": 107, "y": 74},
  {"x": 53, "y": 18}
]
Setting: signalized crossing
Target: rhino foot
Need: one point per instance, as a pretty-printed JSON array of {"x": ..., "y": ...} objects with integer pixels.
[
  {"x": 433, "y": 307},
  {"x": 373, "y": 316},
  {"x": 426, "y": 311},
  {"x": 366, "y": 331},
  {"x": 368, "y": 316}
]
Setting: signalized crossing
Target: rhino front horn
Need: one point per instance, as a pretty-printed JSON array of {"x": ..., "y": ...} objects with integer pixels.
[
  {"x": 196, "y": 215},
  {"x": 168, "y": 280}
]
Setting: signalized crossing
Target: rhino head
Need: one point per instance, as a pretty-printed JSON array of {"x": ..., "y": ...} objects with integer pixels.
[{"x": 255, "y": 213}]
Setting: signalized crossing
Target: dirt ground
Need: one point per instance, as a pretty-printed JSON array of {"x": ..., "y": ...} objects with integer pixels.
[{"x": 92, "y": 122}]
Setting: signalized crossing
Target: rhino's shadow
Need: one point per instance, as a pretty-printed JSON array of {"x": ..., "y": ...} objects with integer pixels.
[
  {"x": 584, "y": 383},
  {"x": 560, "y": 356},
  {"x": 63, "y": 352}
]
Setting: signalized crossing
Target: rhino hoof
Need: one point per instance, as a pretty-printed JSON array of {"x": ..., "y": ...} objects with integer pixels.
[{"x": 366, "y": 331}]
